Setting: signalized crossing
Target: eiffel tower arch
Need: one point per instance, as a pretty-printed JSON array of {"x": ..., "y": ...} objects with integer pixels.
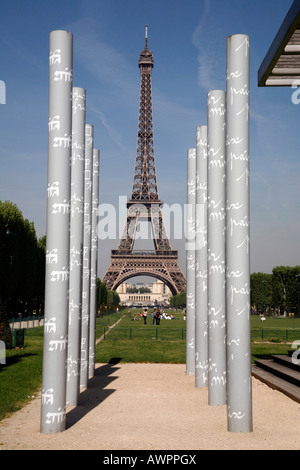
[{"x": 145, "y": 205}]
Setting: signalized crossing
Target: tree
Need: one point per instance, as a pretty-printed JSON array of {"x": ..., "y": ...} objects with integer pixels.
[
  {"x": 286, "y": 284},
  {"x": 106, "y": 296},
  {"x": 11, "y": 253},
  {"x": 40, "y": 282},
  {"x": 261, "y": 290},
  {"x": 5, "y": 331},
  {"x": 102, "y": 292},
  {"x": 22, "y": 261},
  {"x": 113, "y": 298},
  {"x": 178, "y": 300}
]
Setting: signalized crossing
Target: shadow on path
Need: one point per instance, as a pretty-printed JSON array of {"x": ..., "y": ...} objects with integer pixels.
[{"x": 95, "y": 393}]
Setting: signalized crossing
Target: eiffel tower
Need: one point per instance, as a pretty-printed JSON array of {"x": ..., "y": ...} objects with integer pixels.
[{"x": 162, "y": 262}]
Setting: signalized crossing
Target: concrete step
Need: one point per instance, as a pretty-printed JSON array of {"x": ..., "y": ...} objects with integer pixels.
[
  {"x": 288, "y": 360},
  {"x": 276, "y": 383},
  {"x": 279, "y": 370}
]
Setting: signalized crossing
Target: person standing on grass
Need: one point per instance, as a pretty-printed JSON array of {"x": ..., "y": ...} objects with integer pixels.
[
  {"x": 145, "y": 313},
  {"x": 154, "y": 316}
]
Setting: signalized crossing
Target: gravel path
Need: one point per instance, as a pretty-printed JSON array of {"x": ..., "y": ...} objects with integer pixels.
[{"x": 154, "y": 407}]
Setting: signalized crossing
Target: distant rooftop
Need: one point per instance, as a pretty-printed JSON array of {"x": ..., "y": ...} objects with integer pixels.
[{"x": 281, "y": 65}]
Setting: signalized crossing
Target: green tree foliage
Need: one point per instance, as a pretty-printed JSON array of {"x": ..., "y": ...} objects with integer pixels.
[
  {"x": 102, "y": 292},
  {"x": 22, "y": 262},
  {"x": 279, "y": 290},
  {"x": 106, "y": 297},
  {"x": 5, "y": 331},
  {"x": 286, "y": 288},
  {"x": 261, "y": 290},
  {"x": 178, "y": 300},
  {"x": 113, "y": 298}
]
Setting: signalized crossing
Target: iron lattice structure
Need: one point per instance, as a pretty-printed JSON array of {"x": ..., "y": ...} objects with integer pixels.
[{"x": 144, "y": 204}]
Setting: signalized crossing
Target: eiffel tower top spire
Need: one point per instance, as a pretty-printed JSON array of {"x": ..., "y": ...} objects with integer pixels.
[
  {"x": 146, "y": 36},
  {"x": 146, "y": 57},
  {"x": 144, "y": 188}
]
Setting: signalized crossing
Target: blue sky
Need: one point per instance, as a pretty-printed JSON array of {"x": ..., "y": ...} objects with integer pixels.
[{"x": 188, "y": 39}]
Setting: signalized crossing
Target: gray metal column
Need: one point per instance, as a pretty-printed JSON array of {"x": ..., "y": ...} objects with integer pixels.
[
  {"x": 190, "y": 261},
  {"x": 239, "y": 381},
  {"x": 87, "y": 230},
  {"x": 57, "y": 233},
  {"x": 216, "y": 227},
  {"x": 76, "y": 241},
  {"x": 94, "y": 256},
  {"x": 201, "y": 326}
]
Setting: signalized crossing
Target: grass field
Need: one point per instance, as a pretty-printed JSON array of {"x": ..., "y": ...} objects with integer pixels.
[
  {"x": 21, "y": 376},
  {"x": 132, "y": 341},
  {"x": 132, "y": 327}
]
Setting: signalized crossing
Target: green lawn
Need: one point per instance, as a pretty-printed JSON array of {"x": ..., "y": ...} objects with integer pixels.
[
  {"x": 129, "y": 341},
  {"x": 132, "y": 341},
  {"x": 275, "y": 322},
  {"x": 132, "y": 327},
  {"x": 21, "y": 376}
]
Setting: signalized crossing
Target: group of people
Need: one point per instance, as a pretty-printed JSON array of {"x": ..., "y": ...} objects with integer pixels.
[{"x": 156, "y": 316}]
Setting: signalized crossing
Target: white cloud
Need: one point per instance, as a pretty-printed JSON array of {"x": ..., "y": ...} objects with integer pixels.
[
  {"x": 113, "y": 133},
  {"x": 211, "y": 51},
  {"x": 100, "y": 59}
]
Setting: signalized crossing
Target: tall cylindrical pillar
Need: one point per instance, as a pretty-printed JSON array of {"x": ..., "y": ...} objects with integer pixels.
[
  {"x": 201, "y": 326},
  {"x": 190, "y": 261},
  {"x": 76, "y": 241},
  {"x": 94, "y": 256},
  {"x": 239, "y": 380},
  {"x": 87, "y": 230},
  {"x": 216, "y": 222},
  {"x": 57, "y": 233}
]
